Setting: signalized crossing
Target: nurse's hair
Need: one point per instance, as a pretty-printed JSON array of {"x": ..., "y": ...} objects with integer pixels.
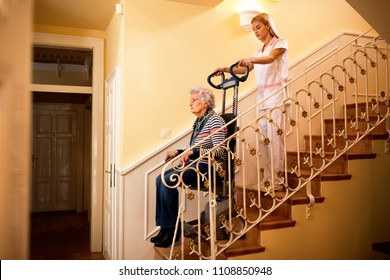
[{"x": 265, "y": 19}]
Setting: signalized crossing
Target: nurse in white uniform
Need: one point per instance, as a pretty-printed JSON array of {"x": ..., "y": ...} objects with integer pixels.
[{"x": 270, "y": 65}]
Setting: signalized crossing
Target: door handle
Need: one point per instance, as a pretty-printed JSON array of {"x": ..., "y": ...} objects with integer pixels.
[{"x": 110, "y": 173}]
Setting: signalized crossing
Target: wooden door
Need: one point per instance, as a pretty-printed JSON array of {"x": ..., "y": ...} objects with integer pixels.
[{"x": 55, "y": 154}]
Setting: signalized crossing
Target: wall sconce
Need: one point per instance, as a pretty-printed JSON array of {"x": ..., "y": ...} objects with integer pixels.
[{"x": 246, "y": 17}]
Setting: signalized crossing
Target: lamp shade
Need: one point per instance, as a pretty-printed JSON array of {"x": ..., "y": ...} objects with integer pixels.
[{"x": 246, "y": 17}]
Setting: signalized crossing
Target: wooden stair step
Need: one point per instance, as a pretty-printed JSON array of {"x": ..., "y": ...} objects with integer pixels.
[
  {"x": 252, "y": 213},
  {"x": 362, "y": 125},
  {"x": 325, "y": 176},
  {"x": 243, "y": 247},
  {"x": 276, "y": 223},
  {"x": 351, "y": 108},
  {"x": 164, "y": 253},
  {"x": 338, "y": 170},
  {"x": 272, "y": 219},
  {"x": 339, "y": 166},
  {"x": 352, "y": 156},
  {"x": 362, "y": 146},
  {"x": 250, "y": 245},
  {"x": 301, "y": 197}
]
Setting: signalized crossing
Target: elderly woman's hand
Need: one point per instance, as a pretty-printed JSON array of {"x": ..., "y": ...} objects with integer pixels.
[
  {"x": 170, "y": 155},
  {"x": 185, "y": 157}
]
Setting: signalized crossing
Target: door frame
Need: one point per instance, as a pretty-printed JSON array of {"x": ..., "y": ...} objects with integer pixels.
[{"x": 97, "y": 91}]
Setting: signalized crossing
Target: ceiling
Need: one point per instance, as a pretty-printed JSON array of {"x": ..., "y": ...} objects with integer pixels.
[
  {"x": 84, "y": 14},
  {"x": 87, "y": 14}
]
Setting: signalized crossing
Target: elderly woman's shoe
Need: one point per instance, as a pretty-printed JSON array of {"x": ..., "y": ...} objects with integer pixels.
[
  {"x": 156, "y": 238},
  {"x": 166, "y": 239}
]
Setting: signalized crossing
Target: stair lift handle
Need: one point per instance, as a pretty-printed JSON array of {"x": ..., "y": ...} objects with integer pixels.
[
  {"x": 242, "y": 78},
  {"x": 214, "y": 74}
]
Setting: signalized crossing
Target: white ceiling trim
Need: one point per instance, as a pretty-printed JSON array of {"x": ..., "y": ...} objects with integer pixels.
[{"x": 207, "y": 3}]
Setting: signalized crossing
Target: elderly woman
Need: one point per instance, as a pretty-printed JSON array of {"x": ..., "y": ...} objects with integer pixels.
[{"x": 202, "y": 102}]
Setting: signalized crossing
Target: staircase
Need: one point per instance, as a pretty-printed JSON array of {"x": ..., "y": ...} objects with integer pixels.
[
  {"x": 337, "y": 171},
  {"x": 328, "y": 120}
]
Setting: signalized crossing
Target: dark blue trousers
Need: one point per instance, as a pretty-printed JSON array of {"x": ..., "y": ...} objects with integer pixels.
[{"x": 167, "y": 199}]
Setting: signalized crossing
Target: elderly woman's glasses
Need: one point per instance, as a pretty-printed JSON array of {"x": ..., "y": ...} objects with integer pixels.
[{"x": 193, "y": 100}]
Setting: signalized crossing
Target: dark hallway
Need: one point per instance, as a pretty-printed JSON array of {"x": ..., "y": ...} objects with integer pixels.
[{"x": 61, "y": 236}]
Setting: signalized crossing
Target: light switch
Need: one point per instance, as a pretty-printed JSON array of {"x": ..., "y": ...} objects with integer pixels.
[{"x": 165, "y": 133}]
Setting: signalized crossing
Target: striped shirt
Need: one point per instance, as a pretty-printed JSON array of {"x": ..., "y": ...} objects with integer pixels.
[{"x": 213, "y": 123}]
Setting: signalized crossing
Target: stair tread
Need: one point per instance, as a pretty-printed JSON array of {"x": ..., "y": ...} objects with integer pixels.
[
  {"x": 345, "y": 154},
  {"x": 277, "y": 223},
  {"x": 271, "y": 221},
  {"x": 342, "y": 119},
  {"x": 352, "y": 156},
  {"x": 327, "y": 154},
  {"x": 350, "y": 136},
  {"x": 164, "y": 253},
  {"x": 323, "y": 176},
  {"x": 305, "y": 199},
  {"x": 361, "y": 103},
  {"x": 243, "y": 247}
]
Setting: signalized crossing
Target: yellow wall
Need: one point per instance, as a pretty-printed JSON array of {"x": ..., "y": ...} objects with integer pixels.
[
  {"x": 169, "y": 47},
  {"x": 172, "y": 46},
  {"x": 306, "y": 23},
  {"x": 114, "y": 44},
  {"x": 164, "y": 48}
]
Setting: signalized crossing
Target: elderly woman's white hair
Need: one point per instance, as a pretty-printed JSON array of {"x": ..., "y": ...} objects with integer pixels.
[{"x": 206, "y": 95}]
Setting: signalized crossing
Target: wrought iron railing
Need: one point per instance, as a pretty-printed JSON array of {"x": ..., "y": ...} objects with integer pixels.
[{"x": 323, "y": 118}]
